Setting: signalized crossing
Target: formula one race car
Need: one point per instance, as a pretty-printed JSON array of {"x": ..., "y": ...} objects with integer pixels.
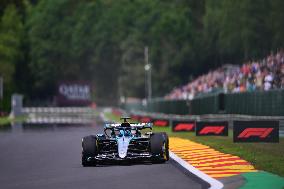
[{"x": 125, "y": 142}]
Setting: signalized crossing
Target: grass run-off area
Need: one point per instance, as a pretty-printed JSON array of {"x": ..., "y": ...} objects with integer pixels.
[
  {"x": 6, "y": 120},
  {"x": 264, "y": 156}
]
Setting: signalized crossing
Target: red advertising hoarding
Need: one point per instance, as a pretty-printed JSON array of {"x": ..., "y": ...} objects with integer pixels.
[
  {"x": 183, "y": 126},
  {"x": 212, "y": 128},
  {"x": 256, "y": 131}
]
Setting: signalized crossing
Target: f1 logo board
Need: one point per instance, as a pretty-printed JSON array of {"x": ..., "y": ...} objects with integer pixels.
[
  {"x": 256, "y": 131},
  {"x": 135, "y": 117},
  {"x": 183, "y": 126},
  {"x": 145, "y": 119},
  {"x": 212, "y": 128},
  {"x": 160, "y": 122}
]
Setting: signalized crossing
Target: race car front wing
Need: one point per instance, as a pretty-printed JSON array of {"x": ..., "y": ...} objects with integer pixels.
[{"x": 129, "y": 157}]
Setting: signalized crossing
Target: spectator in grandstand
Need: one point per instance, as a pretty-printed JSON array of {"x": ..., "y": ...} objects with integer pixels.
[{"x": 264, "y": 75}]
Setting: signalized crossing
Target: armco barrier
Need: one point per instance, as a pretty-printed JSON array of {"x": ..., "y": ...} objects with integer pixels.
[
  {"x": 230, "y": 118},
  {"x": 260, "y": 103}
]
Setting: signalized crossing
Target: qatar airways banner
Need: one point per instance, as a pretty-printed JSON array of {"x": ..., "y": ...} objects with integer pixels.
[
  {"x": 73, "y": 94},
  {"x": 256, "y": 131}
]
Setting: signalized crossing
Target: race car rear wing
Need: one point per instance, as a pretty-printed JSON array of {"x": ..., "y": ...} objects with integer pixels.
[
  {"x": 133, "y": 126},
  {"x": 142, "y": 125}
]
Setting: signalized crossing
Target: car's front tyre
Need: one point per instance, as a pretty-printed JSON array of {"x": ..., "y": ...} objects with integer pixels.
[
  {"x": 159, "y": 147},
  {"x": 89, "y": 150}
]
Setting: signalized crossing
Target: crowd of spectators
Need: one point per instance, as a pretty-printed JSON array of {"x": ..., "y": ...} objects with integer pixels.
[{"x": 259, "y": 75}]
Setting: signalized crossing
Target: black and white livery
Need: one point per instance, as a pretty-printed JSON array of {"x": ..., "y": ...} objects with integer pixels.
[{"x": 125, "y": 142}]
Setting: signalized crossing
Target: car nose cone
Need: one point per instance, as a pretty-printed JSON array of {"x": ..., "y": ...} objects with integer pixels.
[{"x": 123, "y": 144}]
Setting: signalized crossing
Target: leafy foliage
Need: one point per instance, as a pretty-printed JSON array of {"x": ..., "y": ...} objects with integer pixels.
[
  {"x": 103, "y": 42},
  {"x": 11, "y": 33}
]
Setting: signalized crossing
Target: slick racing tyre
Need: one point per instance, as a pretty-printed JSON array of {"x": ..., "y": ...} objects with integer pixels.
[
  {"x": 159, "y": 147},
  {"x": 89, "y": 149}
]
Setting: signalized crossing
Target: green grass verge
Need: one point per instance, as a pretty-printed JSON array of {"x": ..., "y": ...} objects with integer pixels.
[
  {"x": 7, "y": 120},
  {"x": 112, "y": 117},
  {"x": 262, "y": 180},
  {"x": 264, "y": 156},
  {"x": 4, "y": 120}
]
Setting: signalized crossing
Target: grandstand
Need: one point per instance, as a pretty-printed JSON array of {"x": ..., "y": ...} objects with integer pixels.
[{"x": 260, "y": 75}]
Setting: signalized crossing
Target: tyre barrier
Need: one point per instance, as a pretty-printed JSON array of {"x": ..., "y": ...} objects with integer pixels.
[
  {"x": 57, "y": 120},
  {"x": 59, "y": 115},
  {"x": 57, "y": 110}
]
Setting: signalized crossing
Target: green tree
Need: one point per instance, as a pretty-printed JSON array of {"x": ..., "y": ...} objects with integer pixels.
[
  {"x": 11, "y": 34},
  {"x": 50, "y": 26},
  {"x": 211, "y": 34},
  {"x": 276, "y": 24},
  {"x": 244, "y": 32},
  {"x": 103, "y": 41}
]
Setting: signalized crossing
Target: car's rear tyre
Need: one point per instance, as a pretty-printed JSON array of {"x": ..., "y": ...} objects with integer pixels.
[
  {"x": 89, "y": 150},
  {"x": 159, "y": 147}
]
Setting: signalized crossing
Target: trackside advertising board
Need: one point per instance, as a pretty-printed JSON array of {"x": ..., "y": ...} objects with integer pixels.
[
  {"x": 135, "y": 117},
  {"x": 183, "y": 126},
  {"x": 211, "y": 128},
  {"x": 75, "y": 93},
  {"x": 256, "y": 131},
  {"x": 161, "y": 122},
  {"x": 145, "y": 119}
]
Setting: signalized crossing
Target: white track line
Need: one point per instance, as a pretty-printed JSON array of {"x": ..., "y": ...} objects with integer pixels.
[{"x": 214, "y": 184}]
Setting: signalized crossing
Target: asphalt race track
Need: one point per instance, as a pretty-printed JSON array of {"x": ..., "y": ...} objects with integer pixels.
[{"x": 50, "y": 157}]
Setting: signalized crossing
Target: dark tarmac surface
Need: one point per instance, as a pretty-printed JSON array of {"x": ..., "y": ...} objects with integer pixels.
[{"x": 50, "y": 157}]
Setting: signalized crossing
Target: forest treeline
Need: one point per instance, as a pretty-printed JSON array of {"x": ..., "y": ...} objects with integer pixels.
[{"x": 102, "y": 41}]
